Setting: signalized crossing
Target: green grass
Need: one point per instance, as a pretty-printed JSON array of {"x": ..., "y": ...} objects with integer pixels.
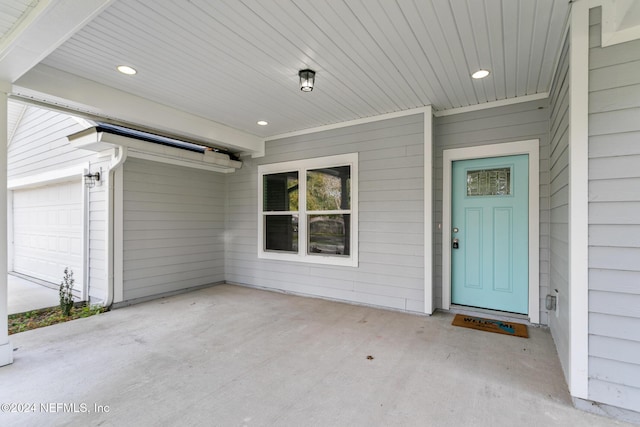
[{"x": 34, "y": 319}]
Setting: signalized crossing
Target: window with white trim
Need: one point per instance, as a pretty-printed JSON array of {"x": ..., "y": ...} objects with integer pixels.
[{"x": 308, "y": 210}]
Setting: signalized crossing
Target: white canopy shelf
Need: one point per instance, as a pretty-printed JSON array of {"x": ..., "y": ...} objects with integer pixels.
[{"x": 104, "y": 138}]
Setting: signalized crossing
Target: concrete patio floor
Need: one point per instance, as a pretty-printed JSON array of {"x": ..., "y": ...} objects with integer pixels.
[
  {"x": 234, "y": 356},
  {"x": 25, "y": 295}
]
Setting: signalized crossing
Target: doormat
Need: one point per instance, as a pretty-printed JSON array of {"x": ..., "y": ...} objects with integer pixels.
[{"x": 490, "y": 325}]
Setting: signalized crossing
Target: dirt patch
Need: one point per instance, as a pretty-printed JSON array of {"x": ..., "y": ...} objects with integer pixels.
[{"x": 34, "y": 319}]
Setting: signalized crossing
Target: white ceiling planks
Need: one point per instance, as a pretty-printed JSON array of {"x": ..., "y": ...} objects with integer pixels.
[
  {"x": 509, "y": 41},
  {"x": 260, "y": 68},
  {"x": 492, "y": 14},
  {"x": 555, "y": 32},
  {"x": 433, "y": 62},
  {"x": 224, "y": 55},
  {"x": 179, "y": 66},
  {"x": 472, "y": 40},
  {"x": 538, "y": 38},
  {"x": 526, "y": 18},
  {"x": 385, "y": 33},
  {"x": 274, "y": 54},
  {"x": 11, "y": 13},
  {"x": 333, "y": 18},
  {"x": 313, "y": 48},
  {"x": 236, "y": 61},
  {"x": 459, "y": 65}
]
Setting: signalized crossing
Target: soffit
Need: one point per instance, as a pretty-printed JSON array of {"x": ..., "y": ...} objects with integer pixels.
[
  {"x": 12, "y": 12},
  {"x": 236, "y": 62}
]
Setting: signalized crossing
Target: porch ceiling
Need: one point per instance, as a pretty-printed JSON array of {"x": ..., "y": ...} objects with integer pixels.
[{"x": 236, "y": 62}]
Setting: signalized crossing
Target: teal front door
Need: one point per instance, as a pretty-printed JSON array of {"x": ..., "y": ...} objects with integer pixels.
[{"x": 490, "y": 229}]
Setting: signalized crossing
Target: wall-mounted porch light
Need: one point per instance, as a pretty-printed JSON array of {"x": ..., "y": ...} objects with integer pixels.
[
  {"x": 307, "y": 79},
  {"x": 91, "y": 179}
]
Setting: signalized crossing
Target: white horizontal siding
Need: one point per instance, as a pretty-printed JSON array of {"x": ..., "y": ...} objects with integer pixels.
[
  {"x": 614, "y": 372},
  {"x": 173, "y": 228},
  {"x": 39, "y": 143},
  {"x": 391, "y": 212},
  {"x": 490, "y": 126},
  {"x": 614, "y": 222}
]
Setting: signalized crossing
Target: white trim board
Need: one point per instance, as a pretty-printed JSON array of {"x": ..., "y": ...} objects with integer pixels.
[
  {"x": 579, "y": 201},
  {"x": 530, "y": 147},
  {"x": 10, "y": 234},
  {"x": 6, "y": 349},
  {"x": 85, "y": 240},
  {"x": 429, "y": 305},
  {"x": 49, "y": 177},
  {"x": 492, "y": 104},
  {"x": 411, "y": 112},
  {"x": 118, "y": 232},
  {"x": 425, "y": 110}
]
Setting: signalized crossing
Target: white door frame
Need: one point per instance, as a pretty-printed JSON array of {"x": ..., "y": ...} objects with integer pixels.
[{"x": 530, "y": 147}]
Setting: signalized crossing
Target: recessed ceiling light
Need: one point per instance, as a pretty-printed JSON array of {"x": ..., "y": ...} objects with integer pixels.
[
  {"x": 263, "y": 123},
  {"x": 125, "y": 69},
  {"x": 480, "y": 74}
]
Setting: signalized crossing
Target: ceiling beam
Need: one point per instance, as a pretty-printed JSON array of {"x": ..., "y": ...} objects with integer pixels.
[
  {"x": 45, "y": 27},
  {"x": 63, "y": 90}
]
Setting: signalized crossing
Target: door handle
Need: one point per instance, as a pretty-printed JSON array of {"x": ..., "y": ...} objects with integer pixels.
[{"x": 456, "y": 244}]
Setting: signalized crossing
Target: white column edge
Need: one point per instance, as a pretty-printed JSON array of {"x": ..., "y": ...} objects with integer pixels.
[
  {"x": 428, "y": 211},
  {"x": 579, "y": 200}
]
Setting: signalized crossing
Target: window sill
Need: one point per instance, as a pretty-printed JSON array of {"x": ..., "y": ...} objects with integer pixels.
[{"x": 310, "y": 259}]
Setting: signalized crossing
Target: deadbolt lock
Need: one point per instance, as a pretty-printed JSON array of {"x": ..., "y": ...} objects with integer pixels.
[{"x": 456, "y": 244}]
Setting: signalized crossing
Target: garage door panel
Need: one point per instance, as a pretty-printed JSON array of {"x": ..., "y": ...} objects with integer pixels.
[{"x": 48, "y": 231}]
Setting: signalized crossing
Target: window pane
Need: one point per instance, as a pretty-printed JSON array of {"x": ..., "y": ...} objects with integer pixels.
[
  {"x": 280, "y": 192},
  {"x": 281, "y": 233},
  {"x": 329, "y": 234},
  {"x": 489, "y": 182},
  {"x": 329, "y": 189}
]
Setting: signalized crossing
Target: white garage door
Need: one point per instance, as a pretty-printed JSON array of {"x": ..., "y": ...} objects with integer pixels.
[{"x": 47, "y": 232}]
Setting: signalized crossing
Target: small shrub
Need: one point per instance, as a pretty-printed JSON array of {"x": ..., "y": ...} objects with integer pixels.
[{"x": 66, "y": 292}]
